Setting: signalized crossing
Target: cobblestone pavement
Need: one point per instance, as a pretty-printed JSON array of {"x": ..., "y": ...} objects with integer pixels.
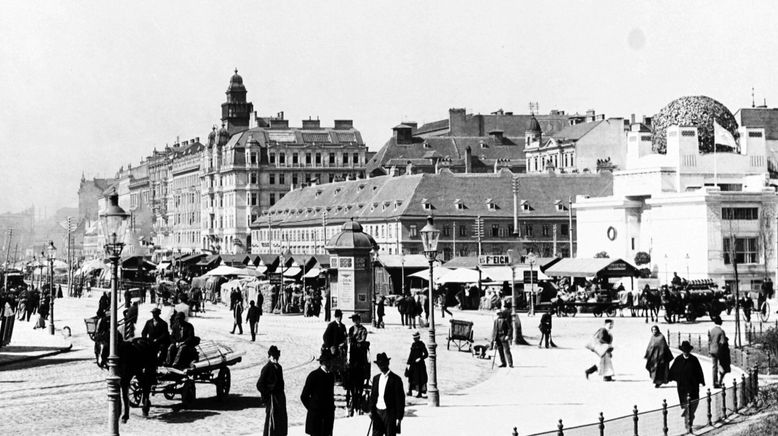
[{"x": 66, "y": 394}]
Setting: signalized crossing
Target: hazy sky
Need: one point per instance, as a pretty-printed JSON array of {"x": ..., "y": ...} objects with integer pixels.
[{"x": 90, "y": 86}]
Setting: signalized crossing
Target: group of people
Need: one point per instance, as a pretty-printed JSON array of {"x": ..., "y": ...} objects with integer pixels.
[{"x": 29, "y": 302}]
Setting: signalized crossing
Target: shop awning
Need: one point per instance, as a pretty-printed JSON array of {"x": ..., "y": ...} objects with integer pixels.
[
  {"x": 592, "y": 267},
  {"x": 137, "y": 263},
  {"x": 292, "y": 271},
  {"x": 235, "y": 259},
  {"x": 192, "y": 258},
  {"x": 436, "y": 272},
  {"x": 459, "y": 275},
  {"x": 210, "y": 261},
  {"x": 407, "y": 261},
  {"x": 224, "y": 270},
  {"x": 312, "y": 273},
  {"x": 504, "y": 273}
]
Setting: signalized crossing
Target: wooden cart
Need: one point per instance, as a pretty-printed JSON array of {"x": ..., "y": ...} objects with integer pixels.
[{"x": 461, "y": 334}]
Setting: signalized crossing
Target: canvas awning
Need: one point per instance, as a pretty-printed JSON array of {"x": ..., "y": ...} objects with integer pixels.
[
  {"x": 192, "y": 258},
  {"x": 504, "y": 274},
  {"x": 592, "y": 267},
  {"x": 313, "y": 273},
  {"x": 459, "y": 275},
  {"x": 292, "y": 271},
  {"x": 224, "y": 270},
  {"x": 406, "y": 261},
  {"x": 425, "y": 273}
]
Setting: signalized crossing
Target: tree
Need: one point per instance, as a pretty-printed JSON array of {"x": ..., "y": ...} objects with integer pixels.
[
  {"x": 602, "y": 255},
  {"x": 642, "y": 258}
]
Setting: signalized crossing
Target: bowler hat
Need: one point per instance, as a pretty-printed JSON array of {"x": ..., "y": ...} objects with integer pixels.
[
  {"x": 355, "y": 317},
  {"x": 381, "y": 358},
  {"x": 325, "y": 356},
  {"x": 273, "y": 351},
  {"x": 338, "y": 313},
  {"x": 686, "y": 346},
  {"x": 156, "y": 310},
  {"x": 416, "y": 335}
]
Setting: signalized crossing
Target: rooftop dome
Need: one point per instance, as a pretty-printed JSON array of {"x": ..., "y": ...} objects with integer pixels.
[
  {"x": 236, "y": 82},
  {"x": 697, "y": 111},
  {"x": 534, "y": 125},
  {"x": 352, "y": 236}
]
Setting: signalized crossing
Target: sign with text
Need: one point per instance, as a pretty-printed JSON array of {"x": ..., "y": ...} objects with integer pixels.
[
  {"x": 346, "y": 263},
  {"x": 530, "y": 277},
  {"x": 346, "y": 289},
  {"x": 495, "y": 260},
  {"x": 275, "y": 278}
]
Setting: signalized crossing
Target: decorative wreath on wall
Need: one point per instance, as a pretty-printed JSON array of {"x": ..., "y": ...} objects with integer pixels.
[{"x": 611, "y": 233}]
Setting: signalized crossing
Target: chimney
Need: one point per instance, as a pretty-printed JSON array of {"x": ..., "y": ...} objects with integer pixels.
[
  {"x": 497, "y": 135},
  {"x": 590, "y": 115},
  {"x": 344, "y": 124},
  {"x": 279, "y": 123},
  {"x": 403, "y": 134},
  {"x": 632, "y": 119},
  {"x": 647, "y": 121},
  {"x": 456, "y": 121},
  {"x": 468, "y": 159},
  {"x": 409, "y": 168},
  {"x": 311, "y": 124}
]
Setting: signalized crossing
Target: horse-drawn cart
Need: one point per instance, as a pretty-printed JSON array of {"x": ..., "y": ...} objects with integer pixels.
[
  {"x": 699, "y": 298},
  {"x": 211, "y": 366}
]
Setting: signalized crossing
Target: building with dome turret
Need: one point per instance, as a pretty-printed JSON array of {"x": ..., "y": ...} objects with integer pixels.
[{"x": 693, "y": 211}]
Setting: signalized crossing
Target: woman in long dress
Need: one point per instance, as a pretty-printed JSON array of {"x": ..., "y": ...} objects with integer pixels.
[
  {"x": 271, "y": 386},
  {"x": 416, "y": 369},
  {"x": 658, "y": 357}
]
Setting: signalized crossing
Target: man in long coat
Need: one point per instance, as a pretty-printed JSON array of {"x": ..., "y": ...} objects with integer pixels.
[
  {"x": 156, "y": 332},
  {"x": 335, "y": 334},
  {"x": 687, "y": 373},
  {"x": 252, "y": 317},
  {"x": 271, "y": 386},
  {"x": 416, "y": 369},
  {"x": 387, "y": 400},
  {"x": 602, "y": 346},
  {"x": 658, "y": 357},
  {"x": 717, "y": 341},
  {"x": 318, "y": 397}
]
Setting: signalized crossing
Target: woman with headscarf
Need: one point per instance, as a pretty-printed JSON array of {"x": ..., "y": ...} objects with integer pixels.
[
  {"x": 271, "y": 386},
  {"x": 658, "y": 357},
  {"x": 416, "y": 369}
]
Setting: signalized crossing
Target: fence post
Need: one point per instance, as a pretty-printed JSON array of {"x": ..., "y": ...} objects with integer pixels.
[
  {"x": 734, "y": 395},
  {"x": 515, "y": 432},
  {"x": 678, "y": 342},
  {"x": 699, "y": 342},
  {"x": 687, "y": 420},
  {"x": 560, "y": 427},
  {"x": 724, "y": 402},
  {"x": 669, "y": 338},
  {"x": 745, "y": 388},
  {"x": 664, "y": 417},
  {"x": 756, "y": 379},
  {"x": 602, "y": 425},
  {"x": 635, "y": 418},
  {"x": 710, "y": 412}
]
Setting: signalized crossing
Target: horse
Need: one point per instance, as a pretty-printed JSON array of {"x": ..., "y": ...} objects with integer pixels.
[
  {"x": 137, "y": 358},
  {"x": 650, "y": 302},
  {"x": 355, "y": 378}
]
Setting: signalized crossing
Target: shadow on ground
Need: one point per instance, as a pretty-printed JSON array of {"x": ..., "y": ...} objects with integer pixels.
[{"x": 204, "y": 407}]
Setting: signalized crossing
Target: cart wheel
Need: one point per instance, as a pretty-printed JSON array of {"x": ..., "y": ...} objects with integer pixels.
[
  {"x": 223, "y": 383},
  {"x": 136, "y": 393},
  {"x": 188, "y": 393},
  {"x": 669, "y": 318},
  {"x": 610, "y": 311},
  {"x": 764, "y": 311},
  {"x": 597, "y": 313},
  {"x": 169, "y": 394},
  {"x": 448, "y": 345}
]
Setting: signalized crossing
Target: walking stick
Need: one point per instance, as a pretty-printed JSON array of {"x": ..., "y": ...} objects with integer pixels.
[
  {"x": 494, "y": 355},
  {"x": 370, "y": 427}
]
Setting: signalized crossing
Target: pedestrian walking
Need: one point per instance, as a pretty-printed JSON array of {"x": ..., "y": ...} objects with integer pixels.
[
  {"x": 380, "y": 312},
  {"x": 413, "y": 311},
  {"x": 401, "y": 309},
  {"x": 271, "y": 386},
  {"x": 416, "y": 369},
  {"x": 237, "y": 312},
  {"x": 602, "y": 345},
  {"x": 545, "y": 329},
  {"x": 658, "y": 357},
  {"x": 387, "y": 400},
  {"x": 444, "y": 304},
  {"x": 318, "y": 397},
  {"x": 687, "y": 373},
  {"x": 43, "y": 313},
  {"x": 327, "y": 306},
  {"x": 252, "y": 317},
  {"x": 502, "y": 331},
  {"x": 718, "y": 350}
]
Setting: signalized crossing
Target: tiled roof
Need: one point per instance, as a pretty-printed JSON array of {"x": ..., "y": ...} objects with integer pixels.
[
  {"x": 295, "y": 135},
  {"x": 577, "y": 131},
  {"x": 384, "y": 198},
  {"x": 760, "y": 117},
  {"x": 431, "y": 127}
]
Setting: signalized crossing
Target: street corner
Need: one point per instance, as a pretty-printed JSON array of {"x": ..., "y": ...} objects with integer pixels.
[{"x": 28, "y": 344}]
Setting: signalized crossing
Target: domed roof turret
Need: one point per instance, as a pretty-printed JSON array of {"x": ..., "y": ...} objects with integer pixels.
[
  {"x": 693, "y": 111},
  {"x": 351, "y": 236},
  {"x": 534, "y": 125},
  {"x": 236, "y": 83}
]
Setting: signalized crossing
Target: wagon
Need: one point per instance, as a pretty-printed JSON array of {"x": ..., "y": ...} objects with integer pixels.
[
  {"x": 461, "y": 334},
  {"x": 91, "y": 326},
  {"x": 211, "y": 366}
]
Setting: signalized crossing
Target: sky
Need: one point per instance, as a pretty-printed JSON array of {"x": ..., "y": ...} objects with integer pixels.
[{"x": 89, "y": 86}]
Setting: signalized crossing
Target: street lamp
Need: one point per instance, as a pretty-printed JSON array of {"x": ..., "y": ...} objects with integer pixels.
[
  {"x": 531, "y": 258},
  {"x": 687, "y": 267},
  {"x": 429, "y": 239},
  {"x": 114, "y": 220},
  {"x": 51, "y": 253}
]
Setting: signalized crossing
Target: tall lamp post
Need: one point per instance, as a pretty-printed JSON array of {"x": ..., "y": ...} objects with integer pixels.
[
  {"x": 429, "y": 238},
  {"x": 114, "y": 220},
  {"x": 531, "y": 258},
  {"x": 51, "y": 253}
]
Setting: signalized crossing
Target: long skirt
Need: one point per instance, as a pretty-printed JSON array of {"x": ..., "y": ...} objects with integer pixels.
[{"x": 606, "y": 365}]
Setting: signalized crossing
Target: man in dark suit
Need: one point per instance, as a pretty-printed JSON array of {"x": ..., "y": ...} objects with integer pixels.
[
  {"x": 318, "y": 397},
  {"x": 716, "y": 341},
  {"x": 687, "y": 373},
  {"x": 387, "y": 400},
  {"x": 155, "y": 331},
  {"x": 252, "y": 317},
  {"x": 335, "y": 334}
]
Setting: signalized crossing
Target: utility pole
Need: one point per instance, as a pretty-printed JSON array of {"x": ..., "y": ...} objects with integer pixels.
[
  {"x": 515, "y": 188},
  {"x": 570, "y": 223},
  {"x": 454, "y": 240},
  {"x": 479, "y": 232},
  {"x": 733, "y": 259},
  {"x": 7, "y": 252}
]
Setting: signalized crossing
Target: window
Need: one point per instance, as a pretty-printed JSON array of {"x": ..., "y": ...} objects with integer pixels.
[
  {"x": 528, "y": 230},
  {"x": 307, "y": 158},
  {"x": 253, "y": 199},
  {"x": 413, "y": 231},
  {"x": 427, "y": 206},
  {"x": 446, "y": 230},
  {"x": 253, "y": 158},
  {"x": 282, "y": 179},
  {"x": 565, "y": 229},
  {"x": 272, "y": 158},
  {"x": 495, "y": 230},
  {"x": 546, "y": 230},
  {"x": 745, "y": 250},
  {"x": 272, "y": 199},
  {"x": 510, "y": 229},
  {"x": 739, "y": 213},
  {"x": 462, "y": 230},
  {"x": 345, "y": 158},
  {"x": 281, "y": 158},
  {"x": 332, "y": 158},
  {"x": 271, "y": 179},
  {"x": 355, "y": 158},
  {"x": 294, "y": 179},
  {"x": 318, "y": 158},
  {"x": 294, "y": 158},
  {"x": 253, "y": 178}
]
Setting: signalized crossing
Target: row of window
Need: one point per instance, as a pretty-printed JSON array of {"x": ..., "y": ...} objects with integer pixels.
[
  {"x": 740, "y": 213},
  {"x": 313, "y": 158},
  {"x": 498, "y": 231},
  {"x": 746, "y": 250}
]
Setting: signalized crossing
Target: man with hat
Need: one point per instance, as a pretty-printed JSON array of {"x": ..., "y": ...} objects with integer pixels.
[
  {"x": 318, "y": 397},
  {"x": 387, "y": 400},
  {"x": 156, "y": 332},
  {"x": 719, "y": 350},
  {"x": 687, "y": 373},
  {"x": 271, "y": 386},
  {"x": 359, "y": 366},
  {"x": 181, "y": 351},
  {"x": 335, "y": 334}
]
